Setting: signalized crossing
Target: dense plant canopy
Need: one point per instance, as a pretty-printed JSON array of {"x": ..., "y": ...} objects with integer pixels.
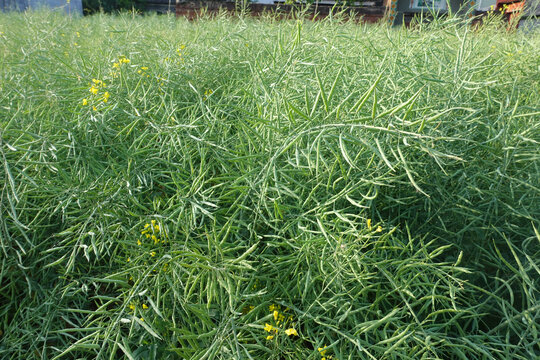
[{"x": 237, "y": 188}]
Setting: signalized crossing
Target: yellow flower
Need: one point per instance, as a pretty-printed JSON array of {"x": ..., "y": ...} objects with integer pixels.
[
  {"x": 144, "y": 68},
  {"x": 106, "y": 96},
  {"x": 379, "y": 228},
  {"x": 78, "y": 34},
  {"x": 84, "y": 102},
  {"x": 291, "y": 331},
  {"x": 153, "y": 253},
  {"x": 94, "y": 90},
  {"x": 322, "y": 350},
  {"x": 156, "y": 240},
  {"x": 139, "y": 242},
  {"x": 128, "y": 259},
  {"x": 272, "y": 307},
  {"x": 369, "y": 223},
  {"x": 95, "y": 109},
  {"x": 144, "y": 306},
  {"x": 276, "y": 314},
  {"x": 116, "y": 65},
  {"x": 132, "y": 307},
  {"x": 268, "y": 327},
  {"x": 269, "y": 337}
]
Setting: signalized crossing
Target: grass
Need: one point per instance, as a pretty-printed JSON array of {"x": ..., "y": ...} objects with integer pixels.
[{"x": 375, "y": 189}]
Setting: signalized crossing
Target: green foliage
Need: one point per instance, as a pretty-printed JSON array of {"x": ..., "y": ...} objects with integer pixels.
[
  {"x": 174, "y": 189},
  {"x": 112, "y": 6}
]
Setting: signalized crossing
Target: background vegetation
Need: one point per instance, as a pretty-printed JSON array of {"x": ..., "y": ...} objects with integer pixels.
[
  {"x": 175, "y": 189},
  {"x": 112, "y": 6}
]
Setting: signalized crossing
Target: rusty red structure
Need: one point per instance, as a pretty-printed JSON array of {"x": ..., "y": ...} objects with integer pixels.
[
  {"x": 393, "y": 11},
  {"x": 371, "y": 12}
]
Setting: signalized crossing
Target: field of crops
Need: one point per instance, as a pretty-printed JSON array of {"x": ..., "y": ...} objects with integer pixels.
[{"x": 238, "y": 188}]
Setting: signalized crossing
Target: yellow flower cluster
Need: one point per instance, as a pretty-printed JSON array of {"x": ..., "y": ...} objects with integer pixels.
[
  {"x": 179, "y": 50},
  {"x": 281, "y": 320},
  {"x": 155, "y": 233},
  {"x": 151, "y": 231},
  {"x": 322, "y": 351},
  {"x": 247, "y": 309},
  {"x": 153, "y": 236},
  {"x": 142, "y": 71},
  {"x": 279, "y": 317},
  {"x": 502, "y": 9},
  {"x": 160, "y": 80},
  {"x": 378, "y": 229},
  {"x": 269, "y": 328},
  {"x": 207, "y": 93},
  {"x": 95, "y": 87},
  {"x": 132, "y": 306},
  {"x": 256, "y": 285},
  {"x": 121, "y": 60},
  {"x": 96, "y": 84},
  {"x": 291, "y": 331},
  {"x": 118, "y": 64}
]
